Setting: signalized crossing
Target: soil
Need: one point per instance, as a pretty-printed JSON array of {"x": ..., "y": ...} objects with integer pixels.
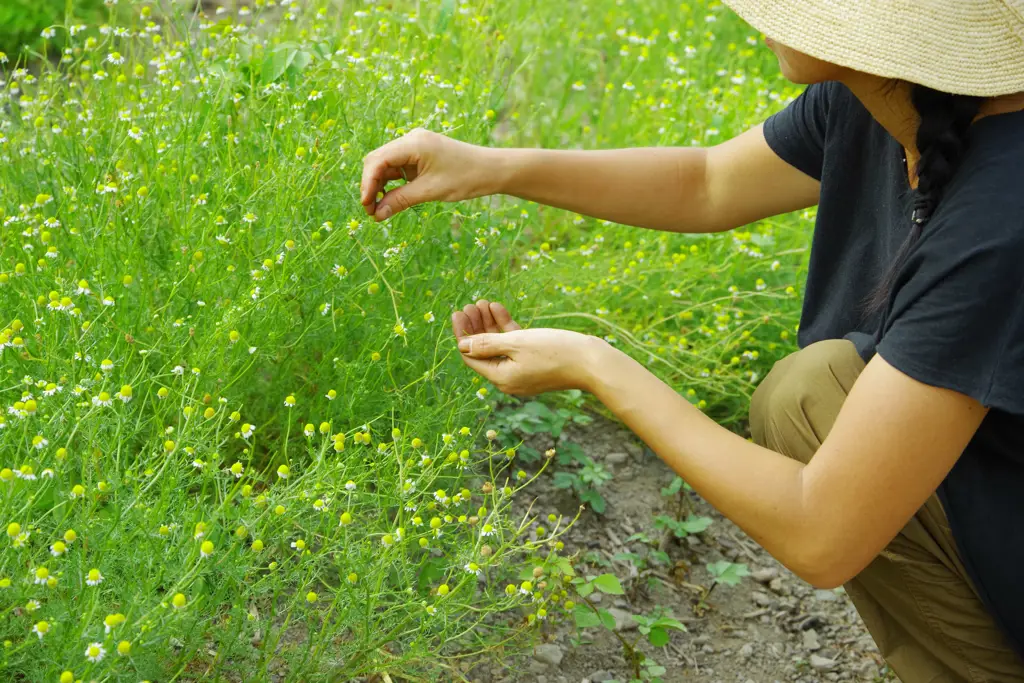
[{"x": 772, "y": 626}]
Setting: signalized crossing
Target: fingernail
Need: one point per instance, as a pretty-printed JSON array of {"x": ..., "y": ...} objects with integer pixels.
[
  {"x": 465, "y": 345},
  {"x": 385, "y": 213}
]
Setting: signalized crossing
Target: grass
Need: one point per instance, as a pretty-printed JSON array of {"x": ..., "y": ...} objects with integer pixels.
[{"x": 235, "y": 398}]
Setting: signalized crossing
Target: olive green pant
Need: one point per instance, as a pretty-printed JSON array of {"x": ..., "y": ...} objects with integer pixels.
[{"x": 915, "y": 597}]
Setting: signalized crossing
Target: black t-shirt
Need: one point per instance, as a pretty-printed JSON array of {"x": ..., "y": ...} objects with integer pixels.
[{"x": 955, "y": 318}]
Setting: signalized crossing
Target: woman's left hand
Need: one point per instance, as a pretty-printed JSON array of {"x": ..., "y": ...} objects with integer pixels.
[{"x": 522, "y": 362}]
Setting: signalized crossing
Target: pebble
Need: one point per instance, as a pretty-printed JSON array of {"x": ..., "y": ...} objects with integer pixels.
[
  {"x": 810, "y": 639},
  {"x": 618, "y": 458},
  {"x": 760, "y": 599},
  {"x": 825, "y": 596},
  {"x": 707, "y": 649},
  {"x": 747, "y": 650},
  {"x": 548, "y": 653},
  {"x": 777, "y": 586},
  {"x": 822, "y": 663},
  {"x": 623, "y": 620},
  {"x": 536, "y": 667},
  {"x": 764, "y": 575},
  {"x": 601, "y": 676}
]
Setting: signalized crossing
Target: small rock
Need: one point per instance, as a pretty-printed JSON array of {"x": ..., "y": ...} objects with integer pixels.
[
  {"x": 702, "y": 640},
  {"x": 600, "y": 676},
  {"x": 633, "y": 449},
  {"x": 825, "y": 596},
  {"x": 536, "y": 667},
  {"x": 810, "y": 639},
  {"x": 596, "y": 597},
  {"x": 760, "y": 599},
  {"x": 750, "y": 680},
  {"x": 747, "y": 650},
  {"x": 623, "y": 620},
  {"x": 548, "y": 653},
  {"x": 693, "y": 541},
  {"x": 822, "y": 663},
  {"x": 541, "y": 679},
  {"x": 764, "y": 575},
  {"x": 707, "y": 649},
  {"x": 617, "y": 458},
  {"x": 777, "y": 586}
]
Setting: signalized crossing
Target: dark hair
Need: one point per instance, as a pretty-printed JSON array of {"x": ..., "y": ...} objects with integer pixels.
[{"x": 941, "y": 144}]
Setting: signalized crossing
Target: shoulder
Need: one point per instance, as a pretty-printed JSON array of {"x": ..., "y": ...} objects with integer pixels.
[{"x": 984, "y": 203}]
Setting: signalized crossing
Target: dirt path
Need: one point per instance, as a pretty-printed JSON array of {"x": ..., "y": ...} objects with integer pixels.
[{"x": 770, "y": 627}]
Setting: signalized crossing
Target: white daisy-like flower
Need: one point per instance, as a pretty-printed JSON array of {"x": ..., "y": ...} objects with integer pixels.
[
  {"x": 95, "y": 652},
  {"x": 350, "y": 485}
]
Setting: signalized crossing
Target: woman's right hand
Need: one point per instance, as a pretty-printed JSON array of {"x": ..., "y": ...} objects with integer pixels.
[{"x": 435, "y": 168}]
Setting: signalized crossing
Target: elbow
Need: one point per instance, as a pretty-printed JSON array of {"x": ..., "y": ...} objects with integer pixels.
[{"x": 826, "y": 564}]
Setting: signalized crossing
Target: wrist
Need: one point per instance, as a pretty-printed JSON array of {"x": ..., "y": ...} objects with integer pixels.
[
  {"x": 596, "y": 360},
  {"x": 498, "y": 168}
]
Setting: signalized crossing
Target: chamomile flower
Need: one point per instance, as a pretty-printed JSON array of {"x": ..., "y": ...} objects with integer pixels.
[
  {"x": 39, "y": 442},
  {"x": 206, "y": 549},
  {"x": 41, "y": 629},
  {"x": 40, "y": 576},
  {"x": 112, "y": 621},
  {"x": 247, "y": 430},
  {"x": 93, "y": 577},
  {"x": 95, "y": 652},
  {"x": 58, "y": 548},
  {"x": 350, "y": 485}
]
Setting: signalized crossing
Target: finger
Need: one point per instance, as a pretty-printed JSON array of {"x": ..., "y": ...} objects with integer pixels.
[
  {"x": 486, "y": 346},
  {"x": 503, "y": 318},
  {"x": 393, "y": 155},
  {"x": 402, "y": 198},
  {"x": 369, "y": 198},
  {"x": 484, "y": 306},
  {"x": 490, "y": 369},
  {"x": 476, "y": 325},
  {"x": 461, "y": 324}
]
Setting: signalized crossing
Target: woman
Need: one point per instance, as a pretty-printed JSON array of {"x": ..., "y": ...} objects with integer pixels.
[{"x": 888, "y": 452}]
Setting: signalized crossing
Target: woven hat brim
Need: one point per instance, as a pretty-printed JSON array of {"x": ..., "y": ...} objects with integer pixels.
[{"x": 968, "y": 47}]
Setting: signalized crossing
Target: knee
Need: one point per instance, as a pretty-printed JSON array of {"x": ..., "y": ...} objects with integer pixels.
[{"x": 794, "y": 406}]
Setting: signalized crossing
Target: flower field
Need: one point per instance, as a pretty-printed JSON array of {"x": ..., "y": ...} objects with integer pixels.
[{"x": 236, "y": 439}]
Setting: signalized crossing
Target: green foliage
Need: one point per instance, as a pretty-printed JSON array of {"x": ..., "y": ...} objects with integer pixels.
[
  {"x": 23, "y": 21},
  {"x": 582, "y": 475},
  {"x": 654, "y": 627},
  {"x": 232, "y": 395},
  {"x": 728, "y": 573},
  {"x": 683, "y": 528}
]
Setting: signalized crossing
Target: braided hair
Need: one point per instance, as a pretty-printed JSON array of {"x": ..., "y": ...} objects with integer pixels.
[{"x": 941, "y": 143}]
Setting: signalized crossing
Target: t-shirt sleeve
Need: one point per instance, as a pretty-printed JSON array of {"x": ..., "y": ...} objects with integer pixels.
[
  {"x": 957, "y": 315},
  {"x": 797, "y": 133}
]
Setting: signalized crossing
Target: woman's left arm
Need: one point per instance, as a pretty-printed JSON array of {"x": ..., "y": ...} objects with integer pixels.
[{"x": 892, "y": 444}]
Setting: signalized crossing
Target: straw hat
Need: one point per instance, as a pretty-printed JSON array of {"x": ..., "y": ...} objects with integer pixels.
[{"x": 968, "y": 47}]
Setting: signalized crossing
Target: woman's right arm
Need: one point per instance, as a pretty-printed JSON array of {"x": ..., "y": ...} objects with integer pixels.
[{"x": 680, "y": 189}]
